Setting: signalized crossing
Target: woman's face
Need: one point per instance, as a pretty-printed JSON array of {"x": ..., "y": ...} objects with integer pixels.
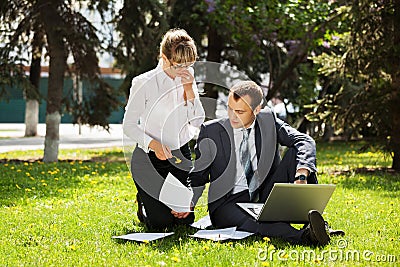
[
  {"x": 179, "y": 69},
  {"x": 180, "y": 66},
  {"x": 175, "y": 69},
  {"x": 174, "y": 66}
]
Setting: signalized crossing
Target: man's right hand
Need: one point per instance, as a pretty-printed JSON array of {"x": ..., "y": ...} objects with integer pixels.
[
  {"x": 162, "y": 152},
  {"x": 182, "y": 215}
]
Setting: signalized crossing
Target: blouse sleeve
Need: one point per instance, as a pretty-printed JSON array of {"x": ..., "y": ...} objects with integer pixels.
[{"x": 132, "y": 123}]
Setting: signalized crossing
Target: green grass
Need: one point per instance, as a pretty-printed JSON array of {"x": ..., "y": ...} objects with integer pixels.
[{"x": 64, "y": 214}]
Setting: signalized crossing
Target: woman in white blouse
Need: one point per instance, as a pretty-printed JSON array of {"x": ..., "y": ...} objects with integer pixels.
[{"x": 162, "y": 115}]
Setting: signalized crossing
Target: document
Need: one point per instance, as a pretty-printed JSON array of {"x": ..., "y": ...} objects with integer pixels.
[
  {"x": 143, "y": 237},
  {"x": 175, "y": 195},
  {"x": 202, "y": 223},
  {"x": 222, "y": 234}
]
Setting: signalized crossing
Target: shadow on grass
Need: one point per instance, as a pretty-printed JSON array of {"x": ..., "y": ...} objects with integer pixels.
[
  {"x": 109, "y": 156},
  {"x": 24, "y": 180},
  {"x": 379, "y": 179},
  {"x": 89, "y": 156}
]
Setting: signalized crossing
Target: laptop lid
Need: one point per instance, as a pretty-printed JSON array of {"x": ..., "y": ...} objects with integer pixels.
[{"x": 292, "y": 202}]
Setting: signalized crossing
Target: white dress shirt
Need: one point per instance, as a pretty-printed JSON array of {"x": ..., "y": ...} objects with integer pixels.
[
  {"x": 157, "y": 110},
  {"x": 240, "y": 179}
]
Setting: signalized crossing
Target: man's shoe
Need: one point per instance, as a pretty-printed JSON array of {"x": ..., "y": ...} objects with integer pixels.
[
  {"x": 315, "y": 232},
  {"x": 333, "y": 232}
]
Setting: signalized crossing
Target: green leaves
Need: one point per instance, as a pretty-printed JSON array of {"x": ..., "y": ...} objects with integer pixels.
[{"x": 361, "y": 59}]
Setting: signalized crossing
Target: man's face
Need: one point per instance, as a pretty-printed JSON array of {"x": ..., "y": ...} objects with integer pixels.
[{"x": 240, "y": 113}]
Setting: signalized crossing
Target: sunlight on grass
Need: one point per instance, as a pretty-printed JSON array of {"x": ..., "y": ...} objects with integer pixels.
[{"x": 65, "y": 213}]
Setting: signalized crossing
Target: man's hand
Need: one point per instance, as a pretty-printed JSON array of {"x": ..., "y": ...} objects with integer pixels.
[
  {"x": 180, "y": 215},
  {"x": 162, "y": 152}
]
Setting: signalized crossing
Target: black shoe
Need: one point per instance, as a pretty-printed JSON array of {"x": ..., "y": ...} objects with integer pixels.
[
  {"x": 333, "y": 232},
  {"x": 315, "y": 233},
  {"x": 140, "y": 212}
]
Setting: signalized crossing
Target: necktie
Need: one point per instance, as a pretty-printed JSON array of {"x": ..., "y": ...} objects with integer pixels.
[{"x": 245, "y": 160}]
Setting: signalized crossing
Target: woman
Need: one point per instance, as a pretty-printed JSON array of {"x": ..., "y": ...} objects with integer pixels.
[{"x": 162, "y": 113}]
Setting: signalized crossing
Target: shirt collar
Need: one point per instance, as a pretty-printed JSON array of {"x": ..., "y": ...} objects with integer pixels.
[{"x": 239, "y": 130}]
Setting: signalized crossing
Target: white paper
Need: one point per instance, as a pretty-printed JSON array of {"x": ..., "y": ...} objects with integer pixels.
[
  {"x": 241, "y": 235},
  {"x": 175, "y": 195},
  {"x": 143, "y": 237},
  {"x": 221, "y": 234},
  {"x": 202, "y": 223}
]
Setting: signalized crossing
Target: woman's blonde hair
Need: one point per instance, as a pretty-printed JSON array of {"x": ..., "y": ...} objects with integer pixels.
[{"x": 178, "y": 46}]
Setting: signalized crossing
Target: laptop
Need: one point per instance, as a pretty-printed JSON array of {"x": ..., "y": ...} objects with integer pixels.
[{"x": 290, "y": 202}]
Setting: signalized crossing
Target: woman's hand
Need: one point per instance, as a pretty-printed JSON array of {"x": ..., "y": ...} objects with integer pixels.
[
  {"x": 187, "y": 81},
  {"x": 162, "y": 152},
  {"x": 185, "y": 75}
]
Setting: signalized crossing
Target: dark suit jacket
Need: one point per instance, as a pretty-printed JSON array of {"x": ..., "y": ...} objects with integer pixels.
[{"x": 216, "y": 159}]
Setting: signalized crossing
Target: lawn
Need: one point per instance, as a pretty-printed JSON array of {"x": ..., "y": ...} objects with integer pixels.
[{"x": 65, "y": 214}]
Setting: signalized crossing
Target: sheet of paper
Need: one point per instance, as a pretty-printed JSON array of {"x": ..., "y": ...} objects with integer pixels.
[
  {"x": 143, "y": 237},
  {"x": 215, "y": 235},
  {"x": 241, "y": 235},
  {"x": 202, "y": 223},
  {"x": 175, "y": 195},
  {"x": 221, "y": 234}
]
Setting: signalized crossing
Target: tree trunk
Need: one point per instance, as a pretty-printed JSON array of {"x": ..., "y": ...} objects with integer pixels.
[
  {"x": 395, "y": 136},
  {"x": 214, "y": 49},
  {"x": 58, "y": 57},
  {"x": 395, "y": 107},
  {"x": 31, "y": 117},
  {"x": 32, "y": 95},
  {"x": 328, "y": 132},
  {"x": 52, "y": 139}
]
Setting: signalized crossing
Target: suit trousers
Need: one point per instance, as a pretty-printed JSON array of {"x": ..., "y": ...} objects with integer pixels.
[
  {"x": 149, "y": 173},
  {"x": 229, "y": 214}
]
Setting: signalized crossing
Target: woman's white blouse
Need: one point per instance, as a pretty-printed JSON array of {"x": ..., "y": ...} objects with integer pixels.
[{"x": 157, "y": 110}]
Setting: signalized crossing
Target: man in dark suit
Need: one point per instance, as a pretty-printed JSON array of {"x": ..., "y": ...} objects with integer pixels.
[{"x": 238, "y": 156}]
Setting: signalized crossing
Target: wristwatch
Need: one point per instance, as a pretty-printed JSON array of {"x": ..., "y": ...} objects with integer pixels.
[{"x": 301, "y": 177}]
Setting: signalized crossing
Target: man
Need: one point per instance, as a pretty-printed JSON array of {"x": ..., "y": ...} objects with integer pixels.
[{"x": 238, "y": 155}]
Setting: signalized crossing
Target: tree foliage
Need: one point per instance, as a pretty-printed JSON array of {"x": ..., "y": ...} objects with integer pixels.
[
  {"x": 21, "y": 19},
  {"x": 140, "y": 25},
  {"x": 364, "y": 61},
  {"x": 67, "y": 32},
  {"x": 260, "y": 37}
]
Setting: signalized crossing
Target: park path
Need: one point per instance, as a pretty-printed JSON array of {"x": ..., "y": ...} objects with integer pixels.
[{"x": 12, "y": 137}]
